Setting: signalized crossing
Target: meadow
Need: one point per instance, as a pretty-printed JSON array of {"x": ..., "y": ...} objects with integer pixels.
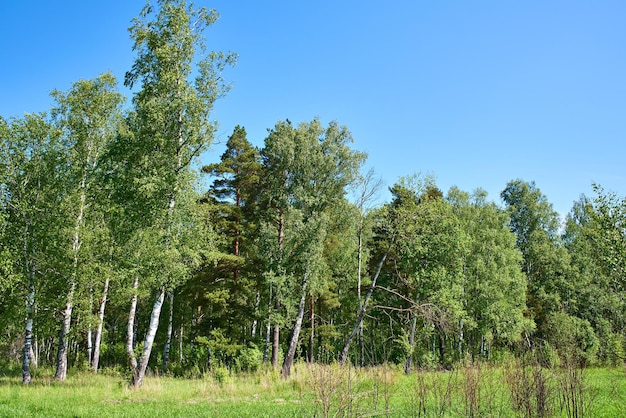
[{"x": 475, "y": 390}]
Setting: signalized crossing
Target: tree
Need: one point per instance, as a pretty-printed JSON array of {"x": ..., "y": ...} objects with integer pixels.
[
  {"x": 546, "y": 262},
  {"x": 494, "y": 287},
  {"x": 367, "y": 187},
  {"x": 225, "y": 290},
  {"x": 172, "y": 114},
  {"x": 594, "y": 238},
  {"x": 33, "y": 161},
  {"x": 87, "y": 115},
  {"x": 237, "y": 180},
  {"x": 428, "y": 259},
  {"x": 306, "y": 172}
]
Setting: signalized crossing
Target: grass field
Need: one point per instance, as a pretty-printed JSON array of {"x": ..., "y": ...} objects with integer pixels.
[{"x": 323, "y": 391}]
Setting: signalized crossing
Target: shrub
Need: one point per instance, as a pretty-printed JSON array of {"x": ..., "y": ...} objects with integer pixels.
[
  {"x": 249, "y": 359},
  {"x": 573, "y": 336}
]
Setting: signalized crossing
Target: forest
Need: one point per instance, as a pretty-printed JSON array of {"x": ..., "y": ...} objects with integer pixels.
[{"x": 121, "y": 250}]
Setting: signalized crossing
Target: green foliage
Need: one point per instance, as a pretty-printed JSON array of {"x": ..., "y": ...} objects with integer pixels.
[
  {"x": 494, "y": 287},
  {"x": 573, "y": 337},
  {"x": 249, "y": 359},
  {"x": 546, "y": 262},
  {"x": 90, "y": 195}
]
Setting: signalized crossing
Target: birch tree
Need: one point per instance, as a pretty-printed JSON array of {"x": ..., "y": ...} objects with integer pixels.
[
  {"x": 178, "y": 85},
  {"x": 32, "y": 159},
  {"x": 494, "y": 287},
  {"x": 428, "y": 260},
  {"x": 87, "y": 116},
  {"x": 366, "y": 190},
  {"x": 307, "y": 170}
]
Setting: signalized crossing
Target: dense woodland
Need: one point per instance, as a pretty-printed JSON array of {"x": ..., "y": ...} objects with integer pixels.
[{"x": 115, "y": 254}]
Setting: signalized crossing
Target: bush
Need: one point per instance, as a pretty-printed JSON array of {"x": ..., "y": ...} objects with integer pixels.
[
  {"x": 610, "y": 344},
  {"x": 249, "y": 359},
  {"x": 572, "y": 337},
  {"x": 220, "y": 374}
]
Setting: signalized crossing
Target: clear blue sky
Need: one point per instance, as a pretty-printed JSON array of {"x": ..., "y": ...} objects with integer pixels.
[{"x": 476, "y": 92}]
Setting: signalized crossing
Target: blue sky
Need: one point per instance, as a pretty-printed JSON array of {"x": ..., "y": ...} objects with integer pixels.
[{"x": 475, "y": 92}]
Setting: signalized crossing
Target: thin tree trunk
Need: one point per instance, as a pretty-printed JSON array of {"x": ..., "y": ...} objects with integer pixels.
[
  {"x": 293, "y": 344},
  {"x": 34, "y": 351},
  {"x": 150, "y": 334},
  {"x": 275, "y": 346},
  {"x": 409, "y": 358},
  {"x": 168, "y": 341},
  {"x": 442, "y": 348},
  {"x": 312, "y": 336},
  {"x": 180, "y": 344},
  {"x": 30, "y": 303},
  {"x": 460, "y": 343},
  {"x": 268, "y": 327},
  {"x": 89, "y": 330},
  {"x": 281, "y": 240},
  {"x": 359, "y": 320},
  {"x": 268, "y": 332},
  {"x": 96, "y": 349},
  {"x": 28, "y": 333},
  {"x": 361, "y": 346},
  {"x": 358, "y": 290},
  {"x": 61, "y": 369},
  {"x": 255, "y": 321},
  {"x": 130, "y": 333}
]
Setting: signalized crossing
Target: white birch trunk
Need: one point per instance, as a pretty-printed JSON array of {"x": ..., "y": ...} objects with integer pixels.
[
  {"x": 130, "y": 333},
  {"x": 344, "y": 353},
  {"x": 255, "y": 322},
  {"x": 293, "y": 344},
  {"x": 28, "y": 336},
  {"x": 34, "y": 351},
  {"x": 180, "y": 344},
  {"x": 359, "y": 296},
  {"x": 89, "y": 329},
  {"x": 30, "y": 305},
  {"x": 150, "y": 334},
  {"x": 168, "y": 341},
  {"x": 61, "y": 370},
  {"x": 96, "y": 349}
]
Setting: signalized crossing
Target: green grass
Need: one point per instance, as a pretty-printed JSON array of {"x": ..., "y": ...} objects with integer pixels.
[{"x": 311, "y": 391}]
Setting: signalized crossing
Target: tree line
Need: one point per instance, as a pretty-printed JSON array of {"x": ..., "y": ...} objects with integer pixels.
[{"x": 113, "y": 254}]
